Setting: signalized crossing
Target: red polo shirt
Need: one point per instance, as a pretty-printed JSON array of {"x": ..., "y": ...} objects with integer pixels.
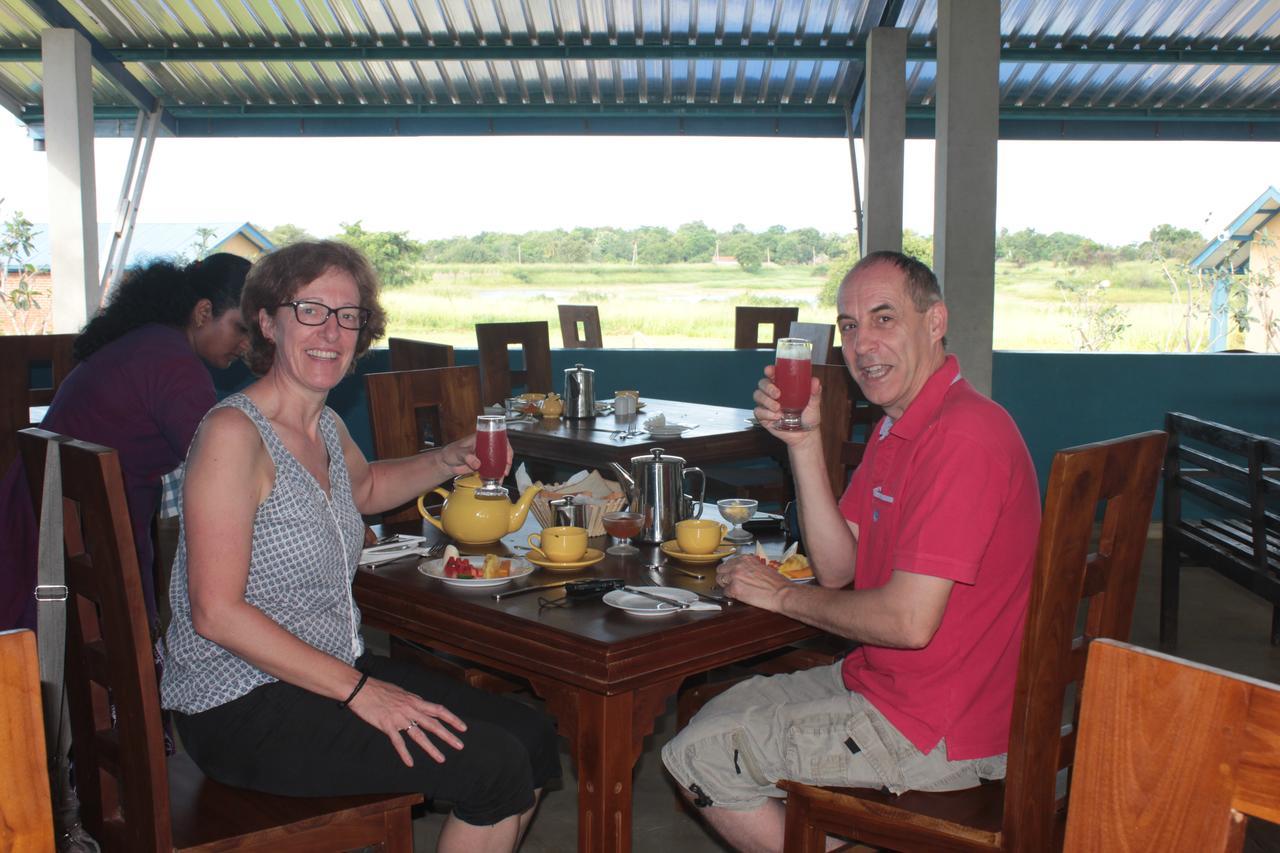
[{"x": 948, "y": 490}]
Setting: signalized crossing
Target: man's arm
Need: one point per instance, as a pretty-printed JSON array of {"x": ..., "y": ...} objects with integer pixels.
[{"x": 903, "y": 614}]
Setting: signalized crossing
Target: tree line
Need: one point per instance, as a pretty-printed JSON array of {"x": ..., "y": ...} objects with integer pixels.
[{"x": 396, "y": 255}]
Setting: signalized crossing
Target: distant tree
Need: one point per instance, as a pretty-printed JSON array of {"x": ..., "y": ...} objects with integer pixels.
[
  {"x": 655, "y": 246},
  {"x": 846, "y": 255},
  {"x": 750, "y": 257},
  {"x": 392, "y": 253},
  {"x": 918, "y": 246},
  {"x": 283, "y": 235},
  {"x": 695, "y": 243},
  {"x": 17, "y": 242},
  {"x": 1173, "y": 243}
]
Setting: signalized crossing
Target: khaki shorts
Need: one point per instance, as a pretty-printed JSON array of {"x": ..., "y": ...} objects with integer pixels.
[{"x": 806, "y": 726}]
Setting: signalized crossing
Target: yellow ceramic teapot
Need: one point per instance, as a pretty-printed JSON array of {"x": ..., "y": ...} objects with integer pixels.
[{"x": 477, "y": 521}]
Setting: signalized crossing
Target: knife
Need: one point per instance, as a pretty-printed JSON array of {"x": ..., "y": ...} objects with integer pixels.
[
  {"x": 499, "y": 596},
  {"x": 674, "y": 602}
]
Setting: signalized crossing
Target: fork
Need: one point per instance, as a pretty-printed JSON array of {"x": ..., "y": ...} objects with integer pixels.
[{"x": 436, "y": 550}]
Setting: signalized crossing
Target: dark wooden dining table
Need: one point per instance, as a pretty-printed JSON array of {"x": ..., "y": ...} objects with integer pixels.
[
  {"x": 606, "y": 675},
  {"x": 721, "y": 434}
]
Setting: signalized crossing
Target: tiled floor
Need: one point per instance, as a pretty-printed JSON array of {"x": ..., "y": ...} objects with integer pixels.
[{"x": 1221, "y": 625}]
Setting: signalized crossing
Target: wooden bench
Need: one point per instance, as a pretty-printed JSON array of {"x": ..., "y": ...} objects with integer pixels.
[{"x": 1238, "y": 474}]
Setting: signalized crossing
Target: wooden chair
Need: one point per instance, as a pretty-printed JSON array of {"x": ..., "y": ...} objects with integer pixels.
[
  {"x": 747, "y": 321},
  {"x": 26, "y": 812},
  {"x": 580, "y": 326},
  {"x": 821, "y": 335},
  {"x": 131, "y": 798},
  {"x": 412, "y": 410},
  {"x": 1023, "y": 812},
  {"x": 20, "y": 356},
  {"x": 1172, "y": 755},
  {"x": 847, "y": 420},
  {"x": 418, "y": 355},
  {"x": 497, "y": 379}
]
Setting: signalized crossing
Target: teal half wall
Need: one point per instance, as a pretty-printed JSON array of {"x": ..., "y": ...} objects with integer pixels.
[{"x": 1057, "y": 399}]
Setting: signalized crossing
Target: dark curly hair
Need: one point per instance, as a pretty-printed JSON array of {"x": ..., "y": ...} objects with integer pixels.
[
  {"x": 277, "y": 277},
  {"x": 163, "y": 292}
]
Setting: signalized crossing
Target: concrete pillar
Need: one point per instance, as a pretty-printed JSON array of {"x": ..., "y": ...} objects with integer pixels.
[
  {"x": 884, "y": 133},
  {"x": 73, "y": 220},
  {"x": 964, "y": 219}
]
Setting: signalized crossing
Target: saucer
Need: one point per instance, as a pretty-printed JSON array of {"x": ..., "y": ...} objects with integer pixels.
[
  {"x": 593, "y": 556},
  {"x": 671, "y": 549}
]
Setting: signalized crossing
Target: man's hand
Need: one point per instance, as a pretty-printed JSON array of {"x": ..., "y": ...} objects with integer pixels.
[
  {"x": 769, "y": 411},
  {"x": 750, "y": 580}
]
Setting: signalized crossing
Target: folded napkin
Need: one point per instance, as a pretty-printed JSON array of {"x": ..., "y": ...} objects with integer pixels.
[
  {"x": 660, "y": 422},
  {"x": 407, "y": 546}
]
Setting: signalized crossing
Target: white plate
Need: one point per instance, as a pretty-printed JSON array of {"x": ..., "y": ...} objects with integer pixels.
[
  {"x": 435, "y": 569},
  {"x": 641, "y": 606},
  {"x": 667, "y": 431}
]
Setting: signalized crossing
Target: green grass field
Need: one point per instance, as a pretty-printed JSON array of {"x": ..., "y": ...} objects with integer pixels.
[{"x": 691, "y": 305}]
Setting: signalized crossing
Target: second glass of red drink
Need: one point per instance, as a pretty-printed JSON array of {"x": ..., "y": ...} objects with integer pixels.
[
  {"x": 491, "y": 447},
  {"x": 792, "y": 370}
]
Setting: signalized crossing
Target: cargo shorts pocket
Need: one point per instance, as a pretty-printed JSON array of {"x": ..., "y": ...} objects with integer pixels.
[{"x": 825, "y": 749}]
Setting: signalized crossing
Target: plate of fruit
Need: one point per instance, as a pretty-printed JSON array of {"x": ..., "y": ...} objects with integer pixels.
[
  {"x": 792, "y": 566},
  {"x": 481, "y": 570}
]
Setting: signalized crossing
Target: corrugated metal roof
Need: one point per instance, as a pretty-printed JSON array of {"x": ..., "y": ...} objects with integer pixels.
[{"x": 1074, "y": 68}]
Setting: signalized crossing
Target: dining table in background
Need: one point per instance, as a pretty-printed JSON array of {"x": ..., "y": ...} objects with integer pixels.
[
  {"x": 605, "y": 675},
  {"x": 721, "y": 434}
]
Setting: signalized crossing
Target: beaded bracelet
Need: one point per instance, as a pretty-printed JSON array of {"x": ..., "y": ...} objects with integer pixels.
[{"x": 364, "y": 676}]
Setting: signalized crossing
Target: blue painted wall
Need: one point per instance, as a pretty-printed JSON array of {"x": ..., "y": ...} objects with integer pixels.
[{"x": 1057, "y": 399}]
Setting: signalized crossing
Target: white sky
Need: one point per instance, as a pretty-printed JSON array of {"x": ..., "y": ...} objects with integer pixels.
[{"x": 431, "y": 187}]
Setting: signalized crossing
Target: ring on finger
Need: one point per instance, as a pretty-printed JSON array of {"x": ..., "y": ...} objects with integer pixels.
[{"x": 413, "y": 724}]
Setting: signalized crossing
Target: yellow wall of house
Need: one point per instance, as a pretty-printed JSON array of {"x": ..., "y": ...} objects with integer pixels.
[
  {"x": 240, "y": 245},
  {"x": 1264, "y": 303}
]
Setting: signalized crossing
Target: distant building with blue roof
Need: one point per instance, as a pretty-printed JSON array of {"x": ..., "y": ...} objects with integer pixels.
[{"x": 1251, "y": 244}]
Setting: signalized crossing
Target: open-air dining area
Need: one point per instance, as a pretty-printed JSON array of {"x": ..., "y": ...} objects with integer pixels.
[{"x": 279, "y": 575}]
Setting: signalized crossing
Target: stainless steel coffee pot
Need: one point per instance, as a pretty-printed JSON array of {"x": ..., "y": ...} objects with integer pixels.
[
  {"x": 579, "y": 392},
  {"x": 656, "y": 487}
]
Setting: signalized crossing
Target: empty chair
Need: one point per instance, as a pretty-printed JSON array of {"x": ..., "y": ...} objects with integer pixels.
[
  {"x": 409, "y": 408},
  {"x": 748, "y": 320},
  {"x": 822, "y": 336},
  {"x": 26, "y": 811},
  {"x": 1172, "y": 755},
  {"x": 1023, "y": 813},
  {"x": 25, "y": 361},
  {"x": 580, "y": 326},
  {"x": 497, "y": 378},
  {"x": 132, "y": 798},
  {"x": 418, "y": 355}
]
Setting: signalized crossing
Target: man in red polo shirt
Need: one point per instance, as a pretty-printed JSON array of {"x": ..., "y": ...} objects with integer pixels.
[{"x": 925, "y": 561}]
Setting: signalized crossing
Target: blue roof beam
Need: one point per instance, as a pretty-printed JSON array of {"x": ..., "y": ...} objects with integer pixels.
[{"x": 104, "y": 60}]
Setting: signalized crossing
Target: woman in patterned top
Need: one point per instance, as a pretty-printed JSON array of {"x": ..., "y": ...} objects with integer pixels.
[{"x": 266, "y": 668}]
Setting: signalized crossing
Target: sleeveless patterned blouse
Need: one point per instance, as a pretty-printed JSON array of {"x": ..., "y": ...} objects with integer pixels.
[{"x": 303, "y": 562}]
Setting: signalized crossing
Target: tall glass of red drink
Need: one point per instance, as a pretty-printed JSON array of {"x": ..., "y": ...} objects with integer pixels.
[
  {"x": 491, "y": 447},
  {"x": 792, "y": 370}
]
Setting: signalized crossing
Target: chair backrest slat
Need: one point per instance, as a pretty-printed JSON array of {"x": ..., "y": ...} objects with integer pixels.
[
  {"x": 1171, "y": 753},
  {"x": 418, "y": 355},
  {"x": 1119, "y": 476},
  {"x": 25, "y": 809},
  {"x": 847, "y": 419},
  {"x": 405, "y": 405},
  {"x": 124, "y": 792},
  {"x": 580, "y": 326},
  {"x": 497, "y": 379},
  {"x": 821, "y": 335},
  {"x": 20, "y": 357},
  {"x": 747, "y": 320}
]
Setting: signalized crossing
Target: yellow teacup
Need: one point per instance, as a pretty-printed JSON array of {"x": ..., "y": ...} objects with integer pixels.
[
  {"x": 560, "y": 544},
  {"x": 699, "y": 535}
]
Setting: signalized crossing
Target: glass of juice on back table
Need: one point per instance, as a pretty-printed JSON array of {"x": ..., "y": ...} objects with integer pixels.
[
  {"x": 792, "y": 370},
  {"x": 491, "y": 447}
]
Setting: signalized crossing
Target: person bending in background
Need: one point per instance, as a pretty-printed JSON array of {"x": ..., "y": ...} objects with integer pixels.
[
  {"x": 266, "y": 669},
  {"x": 936, "y": 533},
  {"x": 141, "y": 386}
]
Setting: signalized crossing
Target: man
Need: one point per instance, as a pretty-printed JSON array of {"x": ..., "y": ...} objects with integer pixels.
[{"x": 940, "y": 523}]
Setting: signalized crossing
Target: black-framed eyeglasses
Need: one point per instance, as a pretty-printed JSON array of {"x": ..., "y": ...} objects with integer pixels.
[{"x": 351, "y": 317}]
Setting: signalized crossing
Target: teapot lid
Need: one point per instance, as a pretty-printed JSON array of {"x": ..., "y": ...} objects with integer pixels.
[
  {"x": 467, "y": 481},
  {"x": 657, "y": 457},
  {"x": 578, "y": 368}
]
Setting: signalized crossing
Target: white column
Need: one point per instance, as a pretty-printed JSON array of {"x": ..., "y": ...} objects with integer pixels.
[
  {"x": 884, "y": 133},
  {"x": 73, "y": 220},
  {"x": 964, "y": 220}
]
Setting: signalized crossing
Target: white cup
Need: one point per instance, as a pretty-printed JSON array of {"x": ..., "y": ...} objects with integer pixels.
[{"x": 624, "y": 404}]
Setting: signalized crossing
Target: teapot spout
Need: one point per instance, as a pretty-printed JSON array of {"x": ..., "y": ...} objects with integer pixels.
[
  {"x": 625, "y": 478},
  {"x": 520, "y": 510}
]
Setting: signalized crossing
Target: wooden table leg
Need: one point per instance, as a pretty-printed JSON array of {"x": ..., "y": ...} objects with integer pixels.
[{"x": 606, "y": 735}]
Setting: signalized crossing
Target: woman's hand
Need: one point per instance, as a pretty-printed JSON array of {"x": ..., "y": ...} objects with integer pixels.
[
  {"x": 768, "y": 409},
  {"x": 460, "y": 456},
  {"x": 396, "y": 713},
  {"x": 749, "y": 580}
]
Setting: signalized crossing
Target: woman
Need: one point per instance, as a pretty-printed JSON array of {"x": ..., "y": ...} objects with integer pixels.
[
  {"x": 141, "y": 387},
  {"x": 266, "y": 667}
]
